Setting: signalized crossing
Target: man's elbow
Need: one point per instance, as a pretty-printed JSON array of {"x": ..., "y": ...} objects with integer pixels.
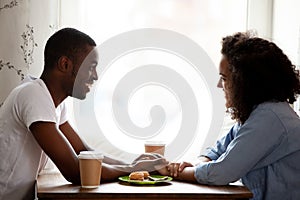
[{"x": 73, "y": 177}]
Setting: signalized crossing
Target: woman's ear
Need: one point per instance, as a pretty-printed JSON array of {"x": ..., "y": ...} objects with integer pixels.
[{"x": 64, "y": 64}]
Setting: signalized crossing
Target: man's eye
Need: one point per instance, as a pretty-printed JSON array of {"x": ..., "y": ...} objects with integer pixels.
[{"x": 92, "y": 67}]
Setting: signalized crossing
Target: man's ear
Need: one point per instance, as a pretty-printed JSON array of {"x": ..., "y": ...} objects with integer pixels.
[{"x": 64, "y": 64}]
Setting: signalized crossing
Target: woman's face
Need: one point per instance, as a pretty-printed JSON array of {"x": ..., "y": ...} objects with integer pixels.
[{"x": 224, "y": 81}]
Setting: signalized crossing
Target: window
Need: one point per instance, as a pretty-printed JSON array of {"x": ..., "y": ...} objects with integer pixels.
[
  {"x": 202, "y": 22},
  {"x": 286, "y": 32}
]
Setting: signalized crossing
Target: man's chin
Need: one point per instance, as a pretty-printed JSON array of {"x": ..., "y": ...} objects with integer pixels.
[{"x": 79, "y": 96}]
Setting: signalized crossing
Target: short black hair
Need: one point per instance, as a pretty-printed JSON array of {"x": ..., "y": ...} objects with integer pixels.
[{"x": 65, "y": 42}]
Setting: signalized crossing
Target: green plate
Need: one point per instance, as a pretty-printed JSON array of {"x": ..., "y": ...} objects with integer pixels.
[{"x": 146, "y": 181}]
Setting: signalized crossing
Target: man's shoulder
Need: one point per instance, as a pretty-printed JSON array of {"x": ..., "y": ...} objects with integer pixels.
[
  {"x": 31, "y": 86},
  {"x": 29, "y": 92}
]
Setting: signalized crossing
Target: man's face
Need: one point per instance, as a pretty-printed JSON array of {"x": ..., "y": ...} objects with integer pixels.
[{"x": 86, "y": 74}]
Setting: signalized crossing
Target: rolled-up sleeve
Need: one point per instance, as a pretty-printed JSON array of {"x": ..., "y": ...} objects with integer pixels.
[
  {"x": 215, "y": 152},
  {"x": 238, "y": 153}
]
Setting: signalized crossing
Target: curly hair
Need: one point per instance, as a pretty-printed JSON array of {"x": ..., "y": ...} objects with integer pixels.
[{"x": 259, "y": 72}]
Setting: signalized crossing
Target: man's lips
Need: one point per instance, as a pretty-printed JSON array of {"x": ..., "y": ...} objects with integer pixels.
[{"x": 89, "y": 85}]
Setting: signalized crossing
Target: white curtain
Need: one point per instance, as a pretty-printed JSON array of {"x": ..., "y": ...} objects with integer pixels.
[{"x": 25, "y": 27}]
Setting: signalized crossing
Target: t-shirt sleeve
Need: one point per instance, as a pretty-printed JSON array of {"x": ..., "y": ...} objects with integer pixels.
[
  {"x": 61, "y": 111},
  {"x": 34, "y": 104}
]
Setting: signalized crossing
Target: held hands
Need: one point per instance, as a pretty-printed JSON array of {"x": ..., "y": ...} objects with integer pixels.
[
  {"x": 184, "y": 171},
  {"x": 173, "y": 169},
  {"x": 155, "y": 162}
]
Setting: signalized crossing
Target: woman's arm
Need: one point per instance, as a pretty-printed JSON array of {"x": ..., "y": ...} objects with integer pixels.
[
  {"x": 253, "y": 142},
  {"x": 180, "y": 171}
]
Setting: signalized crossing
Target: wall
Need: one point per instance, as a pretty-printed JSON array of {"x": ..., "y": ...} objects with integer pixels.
[
  {"x": 25, "y": 25},
  {"x": 286, "y": 31}
]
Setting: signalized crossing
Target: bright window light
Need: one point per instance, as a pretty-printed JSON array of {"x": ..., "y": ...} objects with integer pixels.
[{"x": 204, "y": 22}]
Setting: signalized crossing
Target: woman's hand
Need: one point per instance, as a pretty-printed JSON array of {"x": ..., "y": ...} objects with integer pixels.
[
  {"x": 176, "y": 168},
  {"x": 173, "y": 169}
]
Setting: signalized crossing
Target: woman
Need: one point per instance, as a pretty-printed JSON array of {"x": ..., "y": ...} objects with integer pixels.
[{"x": 263, "y": 147}]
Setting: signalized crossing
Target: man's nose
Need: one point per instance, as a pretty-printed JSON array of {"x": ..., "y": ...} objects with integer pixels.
[{"x": 95, "y": 75}]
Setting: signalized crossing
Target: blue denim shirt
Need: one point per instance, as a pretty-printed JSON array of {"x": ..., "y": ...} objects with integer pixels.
[{"x": 264, "y": 152}]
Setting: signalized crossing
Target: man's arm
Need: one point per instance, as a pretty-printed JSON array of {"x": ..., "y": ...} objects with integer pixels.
[
  {"x": 112, "y": 172},
  {"x": 63, "y": 145},
  {"x": 79, "y": 145},
  {"x": 62, "y": 148},
  {"x": 74, "y": 139},
  {"x": 58, "y": 148}
]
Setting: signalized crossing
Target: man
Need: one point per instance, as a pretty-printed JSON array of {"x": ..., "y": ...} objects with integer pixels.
[{"x": 33, "y": 119}]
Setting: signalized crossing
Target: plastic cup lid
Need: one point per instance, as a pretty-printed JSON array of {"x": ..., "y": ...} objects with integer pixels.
[
  {"x": 91, "y": 155},
  {"x": 155, "y": 143}
]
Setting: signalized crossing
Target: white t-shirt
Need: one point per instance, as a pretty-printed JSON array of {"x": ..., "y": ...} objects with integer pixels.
[{"x": 21, "y": 156}]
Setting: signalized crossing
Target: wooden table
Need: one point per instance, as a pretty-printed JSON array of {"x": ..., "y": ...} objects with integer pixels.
[{"x": 54, "y": 186}]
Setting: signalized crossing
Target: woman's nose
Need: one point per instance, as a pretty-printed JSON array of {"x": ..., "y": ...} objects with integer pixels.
[{"x": 220, "y": 85}]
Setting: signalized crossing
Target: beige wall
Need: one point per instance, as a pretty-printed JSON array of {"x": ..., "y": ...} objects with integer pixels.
[
  {"x": 286, "y": 31},
  {"x": 25, "y": 26}
]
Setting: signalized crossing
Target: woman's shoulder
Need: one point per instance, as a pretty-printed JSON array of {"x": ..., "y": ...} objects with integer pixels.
[
  {"x": 277, "y": 107},
  {"x": 273, "y": 112}
]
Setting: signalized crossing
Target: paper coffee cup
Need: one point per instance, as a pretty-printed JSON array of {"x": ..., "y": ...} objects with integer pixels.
[
  {"x": 90, "y": 165},
  {"x": 155, "y": 147}
]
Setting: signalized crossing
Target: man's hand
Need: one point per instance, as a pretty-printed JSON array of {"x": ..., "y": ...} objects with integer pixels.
[
  {"x": 147, "y": 156},
  {"x": 144, "y": 162},
  {"x": 148, "y": 164}
]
